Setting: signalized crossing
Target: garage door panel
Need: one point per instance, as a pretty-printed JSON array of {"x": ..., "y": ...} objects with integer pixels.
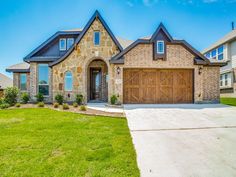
[{"x": 158, "y": 86}]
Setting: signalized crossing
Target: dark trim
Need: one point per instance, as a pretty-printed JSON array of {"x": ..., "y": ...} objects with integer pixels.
[
  {"x": 57, "y": 34},
  {"x": 161, "y": 27},
  {"x": 127, "y": 49},
  {"x": 43, "y": 59},
  {"x": 90, "y": 22},
  {"x": 18, "y": 70}
]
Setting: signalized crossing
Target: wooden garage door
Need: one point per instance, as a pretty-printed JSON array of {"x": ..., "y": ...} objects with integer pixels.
[{"x": 158, "y": 86}]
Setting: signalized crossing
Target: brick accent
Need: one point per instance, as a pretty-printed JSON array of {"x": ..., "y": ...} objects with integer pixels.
[{"x": 177, "y": 57}]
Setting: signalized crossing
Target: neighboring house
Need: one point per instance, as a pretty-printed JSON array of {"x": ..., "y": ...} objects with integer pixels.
[
  {"x": 225, "y": 50},
  {"x": 93, "y": 62},
  {"x": 4, "y": 83}
]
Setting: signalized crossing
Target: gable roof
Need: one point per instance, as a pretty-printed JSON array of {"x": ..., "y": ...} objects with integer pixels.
[
  {"x": 161, "y": 27},
  {"x": 90, "y": 22},
  {"x": 199, "y": 58},
  {"x": 5, "y": 81},
  {"x": 227, "y": 38},
  {"x": 49, "y": 40}
]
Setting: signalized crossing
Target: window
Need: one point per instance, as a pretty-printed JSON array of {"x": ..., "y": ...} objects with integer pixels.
[
  {"x": 96, "y": 39},
  {"x": 217, "y": 53},
  {"x": 70, "y": 42},
  {"x": 23, "y": 82},
  {"x": 62, "y": 44},
  {"x": 160, "y": 47},
  {"x": 226, "y": 79},
  {"x": 213, "y": 54},
  {"x": 208, "y": 55},
  {"x": 68, "y": 81},
  {"x": 43, "y": 79},
  {"x": 221, "y": 80},
  {"x": 220, "y": 53}
]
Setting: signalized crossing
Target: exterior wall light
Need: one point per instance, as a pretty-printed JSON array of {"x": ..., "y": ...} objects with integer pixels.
[
  {"x": 200, "y": 70},
  {"x": 118, "y": 70}
]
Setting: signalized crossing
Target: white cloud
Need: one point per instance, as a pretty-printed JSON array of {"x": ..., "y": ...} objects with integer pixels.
[
  {"x": 149, "y": 2},
  {"x": 210, "y": 1},
  {"x": 129, "y": 3}
]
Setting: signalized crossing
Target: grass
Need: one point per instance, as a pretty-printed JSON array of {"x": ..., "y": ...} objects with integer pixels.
[
  {"x": 43, "y": 142},
  {"x": 228, "y": 101}
]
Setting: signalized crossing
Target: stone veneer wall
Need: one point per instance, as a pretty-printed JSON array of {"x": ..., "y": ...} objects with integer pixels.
[
  {"x": 78, "y": 61},
  {"x": 177, "y": 57},
  {"x": 16, "y": 81},
  {"x": 34, "y": 82}
]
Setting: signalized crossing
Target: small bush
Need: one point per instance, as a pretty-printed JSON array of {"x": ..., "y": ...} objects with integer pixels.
[
  {"x": 25, "y": 98},
  {"x": 56, "y": 105},
  {"x": 41, "y": 104},
  {"x": 113, "y": 99},
  {"x": 17, "y": 105},
  {"x": 4, "y": 106},
  {"x": 83, "y": 108},
  {"x": 59, "y": 99},
  {"x": 1, "y": 101},
  {"x": 39, "y": 97},
  {"x": 65, "y": 106},
  {"x": 10, "y": 95},
  {"x": 79, "y": 99},
  {"x": 75, "y": 105}
]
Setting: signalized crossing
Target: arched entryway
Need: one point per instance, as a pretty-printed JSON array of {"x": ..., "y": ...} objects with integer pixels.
[{"x": 97, "y": 90}]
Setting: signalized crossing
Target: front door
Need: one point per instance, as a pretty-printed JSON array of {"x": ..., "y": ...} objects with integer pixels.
[{"x": 95, "y": 83}]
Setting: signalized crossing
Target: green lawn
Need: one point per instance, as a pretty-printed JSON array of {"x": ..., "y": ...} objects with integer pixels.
[
  {"x": 43, "y": 142},
  {"x": 228, "y": 101}
]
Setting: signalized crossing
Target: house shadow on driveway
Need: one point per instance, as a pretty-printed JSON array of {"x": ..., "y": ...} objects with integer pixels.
[{"x": 174, "y": 106}]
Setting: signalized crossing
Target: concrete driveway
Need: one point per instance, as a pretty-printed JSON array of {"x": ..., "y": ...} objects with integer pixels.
[{"x": 184, "y": 140}]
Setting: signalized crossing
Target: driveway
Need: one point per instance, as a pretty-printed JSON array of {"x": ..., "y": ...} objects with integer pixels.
[{"x": 184, "y": 140}]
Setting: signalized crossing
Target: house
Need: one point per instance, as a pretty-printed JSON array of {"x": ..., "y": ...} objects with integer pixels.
[
  {"x": 93, "y": 62},
  {"x": 4, "y": 83},
  {"x": 225, "y": 50}
]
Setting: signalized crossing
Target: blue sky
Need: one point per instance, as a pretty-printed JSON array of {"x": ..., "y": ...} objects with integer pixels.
[{"x": 25, "y": 24}]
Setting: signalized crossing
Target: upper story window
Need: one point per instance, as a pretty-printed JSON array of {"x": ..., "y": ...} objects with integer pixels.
[
  {"x": 160, "y": 47},
  {"x": 68, "y": 81},
  {"x": 62, "y": 44},
  {"x": 43, "y": 79},
  {"x": 70, "y": 42},
  {"x": 96, "y": 38},
  {"x": 217, "y": 54},
  {"x": 23, "y": 82}
]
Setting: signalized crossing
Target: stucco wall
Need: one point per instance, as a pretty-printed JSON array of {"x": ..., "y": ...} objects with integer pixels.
[
  {"x": 177, "y": 57},
  {"x": 78, "y": 61}
]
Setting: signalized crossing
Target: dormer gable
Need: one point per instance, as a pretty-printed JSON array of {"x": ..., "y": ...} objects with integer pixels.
[{"x": 159, "y": 39}]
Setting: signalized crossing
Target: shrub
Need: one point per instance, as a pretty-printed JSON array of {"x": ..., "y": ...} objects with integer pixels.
[
  {"x": 17, "y": 105},
  {"x": 39, "y": 97},
  {"x": 79, "y": 99},
  {"x": 65, "y": 106},
  {"x": 75, "y": 105},
  {"x": 59, "y": 99},
  {"x": 41, "y": 104},
  {"x": 1, "y": 101},
  {"x": 113, "y": 99},
  {"x": 10, "y": 95},
  {"x": 56, "y": 105},
  {"x": 83, "y": 108},
  {"x": 25, "y": 98},
  {"x": 4, "y": 106}
]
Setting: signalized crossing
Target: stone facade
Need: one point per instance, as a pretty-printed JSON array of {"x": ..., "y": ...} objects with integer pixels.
[
  {"x": 206, "y": 83},
  {"x": 86, "y": 55},
  {"x": 16, "y": 81},
  {"x": 79, "y": 60}
]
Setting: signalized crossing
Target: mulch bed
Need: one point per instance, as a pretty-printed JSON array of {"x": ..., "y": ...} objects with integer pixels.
[{"x": 75, "y": 110}]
